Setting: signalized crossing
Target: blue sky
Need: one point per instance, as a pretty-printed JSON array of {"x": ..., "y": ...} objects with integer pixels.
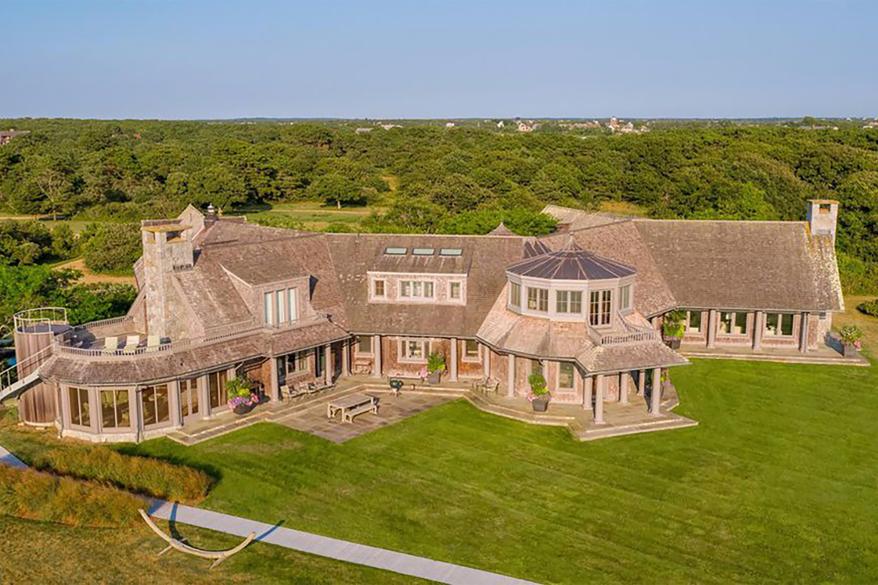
[{"x": 220, "y": 59}]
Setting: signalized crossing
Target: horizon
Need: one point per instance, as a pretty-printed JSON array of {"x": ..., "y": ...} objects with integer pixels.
[{"x": 100, "y": 59}]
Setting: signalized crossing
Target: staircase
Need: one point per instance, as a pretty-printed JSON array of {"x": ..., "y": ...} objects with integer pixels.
[{"x": 11, "y": 386}]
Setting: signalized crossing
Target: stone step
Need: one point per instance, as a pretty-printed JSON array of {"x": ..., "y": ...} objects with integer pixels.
[
  {"x": 664, "y": 424},
  {"x": 782, "y": 359}
]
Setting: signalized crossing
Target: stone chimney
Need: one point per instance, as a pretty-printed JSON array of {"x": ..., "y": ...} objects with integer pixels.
[
  {"x": 823, "y": 217},
  {"x": 166, "y": 249}
]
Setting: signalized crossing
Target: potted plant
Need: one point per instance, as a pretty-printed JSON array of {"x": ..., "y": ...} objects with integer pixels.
[
  {"x": 673, "y": 328},
  {"x": 851, "y": 340},
  {"x": 435, "y": 367},
  {"x": 242, "y": 399},
  {"x": 539, "y": 392}
]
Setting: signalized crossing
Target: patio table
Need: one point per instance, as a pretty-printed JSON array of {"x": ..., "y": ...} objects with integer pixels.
[{"x": 351, "y": 405}]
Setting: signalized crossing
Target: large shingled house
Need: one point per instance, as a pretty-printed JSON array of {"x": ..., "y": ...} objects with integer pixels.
[{"x": 219, "y": 297}]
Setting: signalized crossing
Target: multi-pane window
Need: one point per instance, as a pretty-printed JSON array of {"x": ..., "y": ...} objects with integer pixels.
[
  {"x": 416, "y": 289},
  {"x": 625, "y": 297},
  {"x": 733, "y": 323},
  {"x": 565, "y": 375},
  {"x": 156, "y": 408},
  {"x": 79, "y": 411},
  {"x": 600, "y": 307},
  {"x": 454, "y": 289},
  {"x": 297, "y": 362},
  {"x": 216, "y": 386},
  {"x": 279, "y": 307},
  {"x": 364, "y": 344},
  {"x": 413, "y": 349},
  {"x": 693, "y": 321},
  {"x": 115, "y": 412},
  {"x": 568, "y": 301},
  {"x": 471, "y": 349},
  {"x": 268, "y": 308},
  {"x": 779, "y": 324},
  {"x": 293, "y": 303},
  {"x": 514, "y": 294},
  {"x": 537, "y": 299},
  {"x": 378, "y": 288},
  {"x": 189, "y": 396}
]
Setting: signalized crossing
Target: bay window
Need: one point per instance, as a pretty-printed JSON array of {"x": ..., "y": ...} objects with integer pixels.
[
  {"x": 79, "y": 407},
  {"x": 568, "y": 301},
  {"x": 600, "y": 307},
  {"x": 515, "y": 294},
  {"x": 115, "y": 412},
  {"x": 156, "y": 407},
  {"x": 538, "y": 299}
]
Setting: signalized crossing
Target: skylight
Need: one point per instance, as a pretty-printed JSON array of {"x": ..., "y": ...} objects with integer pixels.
[
  {"x": 423, "y": 251},
  {"x": 395, "y": 251},
  {"x": 450, "y": 252}
]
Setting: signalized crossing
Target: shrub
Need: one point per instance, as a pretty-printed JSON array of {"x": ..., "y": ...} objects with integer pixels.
[
  {"x": 851, "y": 335},
  {"x": 435, "y": 362},
  {"x": 538, "y": 385},
  {"x": 144, "y": 475},
  {"x": 869, "y": 307},
  {"x": 673, "y": 324},
  {"x": 41, "y": 496}
]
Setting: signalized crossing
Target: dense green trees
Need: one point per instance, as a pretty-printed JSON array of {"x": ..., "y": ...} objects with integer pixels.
[
  {"x": 447, "y": 179},
  {"x": 111, "y": 247}
]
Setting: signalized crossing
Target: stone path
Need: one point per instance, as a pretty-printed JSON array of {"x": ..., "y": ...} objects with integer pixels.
[{"x": 315, "y": 544}]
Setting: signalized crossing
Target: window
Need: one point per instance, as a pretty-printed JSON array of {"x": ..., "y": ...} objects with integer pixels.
[
  {"x": 733, "y": 323},
  {"x": 600, "y": 307},
  {"x": 568, "y": 301},
  {"x": 413, "y": 350},
  {"x": 297, "y": 362},
  {"x": 625, "y": 297},
  {"x": 514, "y": 294},
  {"x": 450, "y": 252},
  {"x": 538, "y": 299},
  {"x": 391, "y": 251},
  {"x": 693, "y": 321},
  {"x": 281, "y": 306},
  {"x": 416, "y": 289},
  {"x": 114, "y": 409},
  {"x": 471, "y": 350},
  {"x": 423, "y": 251},
  {"x": 779, "y": 324},
  {"x": 565, "y": 375},
  {"x": 378, "y": 288},
  {"x": 216, "y": 386},
  {"x": 293, "y": 301},
  {"x": 454, "y": 290},
  {"x": 267, "y": 306},
  {"x": 156, "y": 408},
  {"x": 189, "y": 396},
  {"x": 364, "y": 344},
  {"x": 79, "y": 412}
]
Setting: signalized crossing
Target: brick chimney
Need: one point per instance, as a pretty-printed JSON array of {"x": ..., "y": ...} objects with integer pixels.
[{"x": 823, "y": 217}]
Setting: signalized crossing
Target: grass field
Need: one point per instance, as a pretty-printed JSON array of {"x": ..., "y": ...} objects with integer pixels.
[
  {"x": 312, "y": 215},
  {"x": 776, "y": 484}
]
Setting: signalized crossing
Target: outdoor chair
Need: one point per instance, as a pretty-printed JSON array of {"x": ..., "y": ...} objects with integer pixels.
[
  {"x": 492, "y": 385},
  {"x": 152, "y": 343},
  {"x": 111, "y": 344},
  {"x": 131, "y": 343}
]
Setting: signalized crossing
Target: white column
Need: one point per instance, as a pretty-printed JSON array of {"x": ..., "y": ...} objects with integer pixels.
[
  {"x": 346, "y": 357},
  {"x": 655, "y": 399},
  {"x": 203, "y": 396},
  {"x": 641, "y": 382},
  {"x": 327, "y": 364},
  {"x": 803, "y": 332},
  {"x": 758, "y": 326},
  {"x": 273, "y": 380},
  {"x": 452, "y": 373},
  {"x": 711, "y": 328},
  {"x": 174, "y": 403},
  {"x": 376, "y": 352},
  {"x": 587, "y": 389},
  {"x": 599, "y": 383},
  {"x": 623, "y": 388},
  {"x": 486, "y": 361},
  {"x": 510, "y": 375}
]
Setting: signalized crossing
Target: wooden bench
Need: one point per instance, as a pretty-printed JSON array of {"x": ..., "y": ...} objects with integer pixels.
[
  {"x": 349, "y": 414},
  {"x": 218, "y": 556}
]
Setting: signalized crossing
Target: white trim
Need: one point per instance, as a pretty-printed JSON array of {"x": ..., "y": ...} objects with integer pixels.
[
  {"x": 470, "y": 359},
  {"x": 426, "y": 345}
]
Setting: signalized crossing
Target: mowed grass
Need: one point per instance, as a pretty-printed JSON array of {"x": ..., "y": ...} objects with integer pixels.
[
  {"x": 39, "y": 552},
  {"x": 313, "y": 215},
  {"x": 777, "y": 483}
]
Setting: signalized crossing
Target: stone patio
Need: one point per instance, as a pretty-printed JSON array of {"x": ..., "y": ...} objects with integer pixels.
[
  {"x": 391, "y": 409},
  {"x": 825, "y": 354}
]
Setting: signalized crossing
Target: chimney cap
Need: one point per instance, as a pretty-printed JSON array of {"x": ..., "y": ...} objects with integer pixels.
[{"x": 824, "y": 201}]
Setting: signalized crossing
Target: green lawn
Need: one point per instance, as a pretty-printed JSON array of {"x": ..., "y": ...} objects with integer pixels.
[
  {"x": 778, "y": 483},
  {"x": 311, "y": 214}
]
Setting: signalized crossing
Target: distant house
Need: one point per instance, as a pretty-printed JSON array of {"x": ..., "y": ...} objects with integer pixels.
[
  {"x": 219, "y": 298},
  {"x": 362, "y": 130},
  {"x": 6, "y": 136},
  {"x": 449, "y": 124}
]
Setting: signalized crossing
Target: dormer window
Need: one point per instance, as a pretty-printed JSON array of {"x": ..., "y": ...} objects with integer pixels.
[
  {"x": 625, "y": 297},
  {"x": 378, "y": 289},
  {"x": 514, "y": 294},
  {"x": 280, "y": 306},
  {"x": 416, "y": 289}
]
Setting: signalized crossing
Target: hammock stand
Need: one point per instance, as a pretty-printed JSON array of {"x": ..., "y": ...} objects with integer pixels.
[{"x": 218, "y": 556}]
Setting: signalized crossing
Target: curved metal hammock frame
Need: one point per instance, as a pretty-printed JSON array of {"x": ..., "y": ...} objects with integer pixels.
[{"x": 218, "y": 556}]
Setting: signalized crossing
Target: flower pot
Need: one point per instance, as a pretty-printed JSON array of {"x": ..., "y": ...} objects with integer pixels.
[
  {"x": 540, "y": 403},
  {"x": 848, "y": 350},
  {"x": 673, "y": 342},
  {"x": 434, "y": 377}
]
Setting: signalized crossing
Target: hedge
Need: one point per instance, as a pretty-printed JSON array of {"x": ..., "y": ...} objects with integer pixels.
[
  {"x": 869, "y": 307},
  {"x": 143, "y": 475}
]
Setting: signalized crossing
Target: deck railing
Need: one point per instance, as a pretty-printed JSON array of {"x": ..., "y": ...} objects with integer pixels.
[{"x": 627, "y": 338}]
